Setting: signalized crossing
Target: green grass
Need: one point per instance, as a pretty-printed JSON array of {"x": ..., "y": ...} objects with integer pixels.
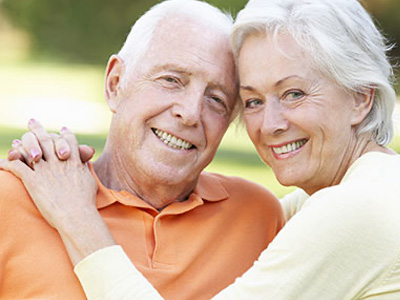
[{"x": 7, "y": 135}]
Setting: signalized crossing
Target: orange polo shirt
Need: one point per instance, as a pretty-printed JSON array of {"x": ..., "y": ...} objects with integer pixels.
[{"x": 189, "y": 250}]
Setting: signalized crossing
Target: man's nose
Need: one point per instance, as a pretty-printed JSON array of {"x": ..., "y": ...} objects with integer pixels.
[
  {"x": 189, "y": 108},
  {"x": 274, "y": 119}
]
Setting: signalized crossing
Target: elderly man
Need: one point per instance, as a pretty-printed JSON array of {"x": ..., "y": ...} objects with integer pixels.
[{"x": 172, "y": 93}]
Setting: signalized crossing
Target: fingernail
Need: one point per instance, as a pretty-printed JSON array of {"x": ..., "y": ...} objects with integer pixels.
[
  {"x": 34, "y": 154},
  {"x": 62, "y": 151},
  {"x": 31, "y": 121},
  {"x": 16, "y": 142},
  {"x": 64, "y": 130}
]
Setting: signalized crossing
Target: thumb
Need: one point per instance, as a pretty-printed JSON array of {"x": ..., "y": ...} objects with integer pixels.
[
  {"x": 17, "y": 167},
  {"x": 86, "y": 153}
]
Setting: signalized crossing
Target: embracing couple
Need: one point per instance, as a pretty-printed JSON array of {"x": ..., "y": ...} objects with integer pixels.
[{"x": 313, "y": 84}]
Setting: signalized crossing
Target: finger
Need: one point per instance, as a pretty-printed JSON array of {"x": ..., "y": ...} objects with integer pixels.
[
  {"x": 17, "y": 167},
  {"x": 44, "y": 139},
  {"x": 63, "y": 149},
  {"x": 31, "y": 147},
  {"x": 19, "y": 147},
  {"x": 86, "y": 153},
  {"x": 14, "y": 155},
  {"x": 54, "y": 136},
  {"x": 70, "y": 138}
]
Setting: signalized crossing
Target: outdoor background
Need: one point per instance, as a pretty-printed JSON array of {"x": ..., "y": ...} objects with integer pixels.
[{"x": 52, "y": 58}]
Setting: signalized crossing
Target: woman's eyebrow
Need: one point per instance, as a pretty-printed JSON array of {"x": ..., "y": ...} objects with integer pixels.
[{"x": 278, "y": 83}]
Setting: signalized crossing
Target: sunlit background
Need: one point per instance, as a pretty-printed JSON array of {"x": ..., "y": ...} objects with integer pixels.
[{"x": 52, "y": 59}]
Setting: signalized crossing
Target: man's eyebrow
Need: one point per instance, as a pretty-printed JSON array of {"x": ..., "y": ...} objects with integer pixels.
[
  {"x": 223, "y": 89},
  {"x": 181, "y": 69},
  {"x": 171, "y": 68}
]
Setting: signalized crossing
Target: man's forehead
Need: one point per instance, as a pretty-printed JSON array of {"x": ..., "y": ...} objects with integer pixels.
[{"x": 189, "y": 47}]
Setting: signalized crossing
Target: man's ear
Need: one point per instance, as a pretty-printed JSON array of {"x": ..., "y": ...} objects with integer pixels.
[
  {"x": 363, "y": 102},
  {"x": 112, "y": 89}
]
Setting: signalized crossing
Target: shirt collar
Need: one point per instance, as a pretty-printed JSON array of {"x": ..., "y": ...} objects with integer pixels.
[{"x": 208, "y": 188}]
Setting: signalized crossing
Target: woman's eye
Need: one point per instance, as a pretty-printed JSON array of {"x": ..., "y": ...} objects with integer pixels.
[
  {"x": 252, "y": 103},
  {"x": 293, "y": 95}
]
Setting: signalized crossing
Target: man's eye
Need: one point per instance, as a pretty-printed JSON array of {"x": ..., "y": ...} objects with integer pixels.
[
  {"x": 170, "y": 79},
  {"x": 252, "y": 103},
  {"x": 217, "y": 104},
  {"x": 218, "y": 100}
]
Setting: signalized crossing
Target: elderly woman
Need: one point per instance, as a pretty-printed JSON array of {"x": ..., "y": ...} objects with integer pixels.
[{"x": 317, "y": 103}]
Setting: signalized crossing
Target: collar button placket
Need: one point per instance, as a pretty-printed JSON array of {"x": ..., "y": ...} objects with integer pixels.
[{"x": 156, "y": 232}]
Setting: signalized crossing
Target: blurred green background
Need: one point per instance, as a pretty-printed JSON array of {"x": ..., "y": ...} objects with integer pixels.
[{"x": 52, "y": 59}]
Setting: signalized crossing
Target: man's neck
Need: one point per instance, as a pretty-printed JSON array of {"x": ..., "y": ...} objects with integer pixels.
[{"x": 115, "y": 176}]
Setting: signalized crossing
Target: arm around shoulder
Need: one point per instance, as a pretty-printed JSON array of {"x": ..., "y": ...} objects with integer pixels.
[{"x": 109, "y": 274}]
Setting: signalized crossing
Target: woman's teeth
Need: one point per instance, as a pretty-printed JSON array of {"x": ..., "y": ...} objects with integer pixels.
[
  {"x": 289, "y": 147},
  {"x": 172, "y": 140}
]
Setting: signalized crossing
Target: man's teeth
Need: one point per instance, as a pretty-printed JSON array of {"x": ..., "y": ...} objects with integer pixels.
[
  {"x": 289, "y": 147},
  {"x": 172, "y": 141}
]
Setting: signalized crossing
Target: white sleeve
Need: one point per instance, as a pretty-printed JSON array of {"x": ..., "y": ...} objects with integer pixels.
[
  {"x": 293, "y": 202},
  {"x": 331, "y": 249},
  {"x": 108, "y": 274}
]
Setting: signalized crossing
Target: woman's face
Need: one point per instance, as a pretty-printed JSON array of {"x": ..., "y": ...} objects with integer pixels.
[{"x": 301, "y": 123}]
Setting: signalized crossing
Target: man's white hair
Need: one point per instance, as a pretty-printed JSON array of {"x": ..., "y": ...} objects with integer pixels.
[
  {"x": 142, "y": 32},
  {"x": 342, "y": 42}
]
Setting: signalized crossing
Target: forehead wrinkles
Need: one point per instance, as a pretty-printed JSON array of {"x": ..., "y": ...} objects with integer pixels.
[{"x": 197, "y": 48}]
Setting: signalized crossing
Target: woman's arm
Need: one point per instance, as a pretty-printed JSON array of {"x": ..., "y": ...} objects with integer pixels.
[{"x": 63, "y": 191}]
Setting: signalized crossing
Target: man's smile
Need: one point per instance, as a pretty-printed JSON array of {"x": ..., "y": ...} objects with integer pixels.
[{"x": 172, "y": 141}]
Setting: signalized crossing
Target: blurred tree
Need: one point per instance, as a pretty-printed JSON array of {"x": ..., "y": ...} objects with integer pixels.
[
  {"x": 75, "y": 30},
  {"x": 90, "y": 30},
  {"x": 81, "y": 31},
  {"x": 387, "y": 15}
]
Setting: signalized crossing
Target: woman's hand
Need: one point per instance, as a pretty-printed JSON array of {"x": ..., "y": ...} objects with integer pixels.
[
  {"x": 28, "y": 148},
  {"x": 52, "y": 182},
  {"x": 64, "y": 191}
]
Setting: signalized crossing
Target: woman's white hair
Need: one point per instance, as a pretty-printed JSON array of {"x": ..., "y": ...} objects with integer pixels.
[
  {"x": 142, "y": 32},
  {"x": 342, "y": 42}
]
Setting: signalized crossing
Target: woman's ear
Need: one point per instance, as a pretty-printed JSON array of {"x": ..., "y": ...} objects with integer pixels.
[
  {"x": 363, "y": 101},
  {"x": 112, "y": 89}
]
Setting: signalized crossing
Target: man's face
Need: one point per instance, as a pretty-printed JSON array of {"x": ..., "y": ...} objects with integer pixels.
[{"x": 177, "y": 105}]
